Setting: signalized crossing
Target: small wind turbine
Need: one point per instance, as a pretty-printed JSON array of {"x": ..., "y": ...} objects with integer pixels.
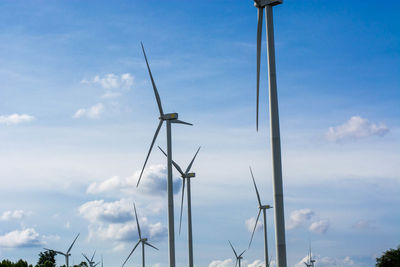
[
  {"x": 141, "y": 240},
  {"x": 238, "y": 257},
  {"x": 186, "y": 175},
  {"x": 262, "y": 208},
  {"x": 274, "y": 122},
  {"x": 66, "y": 254},
  {"x": 311, "y": 261},
  {"x": 169, "y": 118},
  {"x": 91, "y": 262}
]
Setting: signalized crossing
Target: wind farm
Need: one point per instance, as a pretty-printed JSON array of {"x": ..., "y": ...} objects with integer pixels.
[{"x": 305, "y": 93}]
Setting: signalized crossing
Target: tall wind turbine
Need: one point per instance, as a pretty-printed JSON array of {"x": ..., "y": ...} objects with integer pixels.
[
  {"x": 238, "y": 257},
  {"x": 169, "y": 118},
  {"x": 66, "y": 254},
  {"x": 91, "y": 262},
  {"x": 186, "y": 176},
  {"x": 262, "y": 208},
  {"x": 274, "y": 122},
  {"x": 142, "y": 240}
]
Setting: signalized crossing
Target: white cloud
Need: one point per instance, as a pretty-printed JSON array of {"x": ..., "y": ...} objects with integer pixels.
[
  {"x": 320, "y": 226},
  {"x": 299, "y": 217},
  {"x": 98, "y": 210},
  {"x": 14, "y": 215},
  {"x": 24, "y": 238},
  {"x": 15, "y": 119},
  {"x": 355, "y": 128},
  {"x": 328, "y": 262},
  {"x": 364, "y": 224},
  {"x": 112, "y": 81},
  {"x": 153, "y": 182},
  {"x": 251, "y": 222},
  {"x": 219, "y": 263},
  {"x": 93, "y": 112}
]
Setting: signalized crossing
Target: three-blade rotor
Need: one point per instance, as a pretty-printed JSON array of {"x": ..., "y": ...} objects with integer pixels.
[
  {"x": 184, "y": 175},
  {"x": 173, "y": 117},
  {"x": 238, "y": 257}
]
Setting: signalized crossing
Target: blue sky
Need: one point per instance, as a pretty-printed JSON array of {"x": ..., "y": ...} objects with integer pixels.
[{"x": 77, "y": 114}]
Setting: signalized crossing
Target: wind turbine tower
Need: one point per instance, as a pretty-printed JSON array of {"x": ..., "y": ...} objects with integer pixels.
[
  {"x": 274, "y": 122},
  {"x": 169, "y": 118},
  {"x": 66, "y": 254},
  {"x": 262, "y": 208},
  {"x": 187, "y": 175}
]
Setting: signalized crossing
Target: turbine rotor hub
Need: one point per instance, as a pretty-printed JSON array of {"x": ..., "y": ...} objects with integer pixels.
[
  {"x": 265, "y": 207},
  {"x": 264, "y": 3},
  {"x": 144, "y": 239},
  {"x": 190, "y": 175}
]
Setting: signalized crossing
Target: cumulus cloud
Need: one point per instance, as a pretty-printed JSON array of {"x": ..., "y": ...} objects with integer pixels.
[
  {"x": 14, "y": 215},
  {"x": 93, "y": 112},
  {"x": 114, "y": 212},
  {"x": 328, "y": 262},
  {"x": 17, "y": 239},
  {"x": 221, "y": 263},
  {"x": 251, "y": 222},
  {"x": 364, "y": 224},
  {"x": 355, "y": 128},
  {"x": 15, "y": 119},
  {"x": 320, "y": 226},
  {"x": 112, "y": 81},
  {"x": 299, "y": 217},
  {"x": 153, "y": 182}
]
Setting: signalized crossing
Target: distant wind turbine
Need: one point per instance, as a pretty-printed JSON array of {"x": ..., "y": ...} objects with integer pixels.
[
  {"x": 66, "y": 254},
  {"x": 169, "y": 118},
  {"x": 274, "y": 122},
  {"x": 187, "y": 175},
  {"x": 238, "y": 257},
  {"x": 141, "y": 240},
  {"x": 262, "y": 208},
  {"x": 310, "y": 262},
  {"x": 91, "y": 262}
]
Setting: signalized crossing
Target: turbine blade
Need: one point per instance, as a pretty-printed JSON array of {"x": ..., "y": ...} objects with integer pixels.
[
  {"x": 72, "y": 244},
  {"x": 259, "y": 37},
  {"x": 236, "y": 262},
  {"x": 173, "y": 162},
  {"x": 96, "y": 264},
  {"x": 151, "y": 147},
  {"x": 131, "y": 253},
  {"x": 255, "y": 186},
  {"x": 150, "y": 245},
  {"x": 181, "y": 122},
  {"x": 87, "y": 259},
  {"x": 233, "y": 249},
  {"x": 191, "y": 163},
  {"x": 255, "y": 226},
  {"x": 242, "y": 253},
  {"x": 137, "y": 222},
  {"x": 153, "y": 83},
  {"x": 94, "y": 253},
  {"x": 183, "y": 193}
]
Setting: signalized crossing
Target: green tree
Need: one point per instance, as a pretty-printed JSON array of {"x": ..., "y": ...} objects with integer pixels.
[
  {"x": 390, "y": 258},
  {"x": 20, "y": 263},
  {"x": 47, "y": 259}
]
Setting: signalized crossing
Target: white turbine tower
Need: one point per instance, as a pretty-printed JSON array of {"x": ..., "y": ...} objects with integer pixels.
[
  {"x": 169, "y": 118},
  {"x": 238, "y": 257},
  {"x": 187, "y": 175},
  {"x": 91, "y": 262},
  {"x": 66, "y": 254},
  {"x": 262, "y": 208},
  {"x": 142, "y": 240},
  {"x": 274, "y": 122}
]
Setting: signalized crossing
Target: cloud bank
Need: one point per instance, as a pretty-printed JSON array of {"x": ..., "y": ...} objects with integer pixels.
[
  {"x": 18, "y": 239},
  {"x": 15, "y": 118}
]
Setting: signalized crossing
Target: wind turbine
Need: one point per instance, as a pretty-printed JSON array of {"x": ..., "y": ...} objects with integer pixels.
[
  {"x": 311, "y": 261},
  {"x": 186, "y": 175},
  {"x": 238, "y": 257},
  {"x": 169, "y": 118},
  {"x": 91, "y": 262},
  {"x": 66, "y": 254},
  {"x": 274, "y": 122},
  {"x": 262, "y": 208},
  {"x": 142, "y": 240}
]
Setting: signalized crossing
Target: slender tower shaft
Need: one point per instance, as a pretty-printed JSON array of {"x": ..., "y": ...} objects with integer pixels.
[
  {"x": 67, "y": 260},
  {"x": 190, "y": 240},
  {"x": 265, "y": 238},
  {"x": 275, "y": 143},
  {"x": 171, "y": 231},
  {"x": 143, "y": 262}
]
